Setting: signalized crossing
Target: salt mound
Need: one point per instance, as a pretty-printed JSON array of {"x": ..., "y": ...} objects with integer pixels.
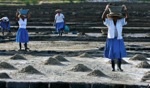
[
  {"x": 9, "y": 34},
  {"x": 122, "y": 61},
  {"x": 30, "y": 70},
  {"x": 146, "y": 76},
  {"x": 18, "y": 57},
  {"x": 96, "y": 73},
  {"x": 147, "y": 72},
  {"x": 81, "y": 68},
  {"x": 4, "y": 76},
  {"x": 59, "y": 58},
  {"x": 138, "y": 57},
  {"x": 5, "y": 65},
  {"x": 143, "y": 64},
  {"x": 85, "y": 55},
  {"x": 52, "y": 61}
]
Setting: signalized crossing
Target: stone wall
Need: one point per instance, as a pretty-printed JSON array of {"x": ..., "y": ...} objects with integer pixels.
[{"x": 4, "y": 84}]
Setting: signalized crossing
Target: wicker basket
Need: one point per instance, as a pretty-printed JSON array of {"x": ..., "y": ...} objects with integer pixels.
[{"x": 115, "y": 9}]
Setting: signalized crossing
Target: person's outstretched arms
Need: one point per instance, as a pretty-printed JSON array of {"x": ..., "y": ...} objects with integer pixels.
[
  {"x": 28, "y": 15},
  {"x": 104, "y": 15},
  {"x": 17, "y": 15},
  {"x": 126, "y": 12}
]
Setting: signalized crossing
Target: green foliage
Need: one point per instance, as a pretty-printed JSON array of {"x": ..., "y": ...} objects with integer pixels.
[
  {"x": 144, "y": 1},
  {"x": 35, "y": 1},
  {"x": 70, "y": 1},
  {"x": 29, "y": 2}
]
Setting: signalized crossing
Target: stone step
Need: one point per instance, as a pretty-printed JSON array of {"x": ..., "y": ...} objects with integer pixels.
[
  {"x": 83, "y": 29},
  {"x": 94, "y": 22},
  {"x": 75, "y": 38},
  {"x": 95, "y": 53}
]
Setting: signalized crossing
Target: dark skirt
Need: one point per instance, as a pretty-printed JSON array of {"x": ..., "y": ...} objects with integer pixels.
[
  {"x": 59, "y": 26},
  {"x": 22, "y": 35},
  {"x": 115, "y": 49}
]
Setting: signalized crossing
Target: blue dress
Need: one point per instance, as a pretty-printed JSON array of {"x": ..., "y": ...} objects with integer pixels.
[
  {"x": 59, "y": 18},
  {"x": 5, "y": 25},
  {"x": 115, "y": 48},
  {"x": 59, "y": 26},
  {"x": 22, "y": 34}
]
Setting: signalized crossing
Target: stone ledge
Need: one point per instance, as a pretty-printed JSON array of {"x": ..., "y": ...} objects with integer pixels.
[{"x": 4, "y": 84}]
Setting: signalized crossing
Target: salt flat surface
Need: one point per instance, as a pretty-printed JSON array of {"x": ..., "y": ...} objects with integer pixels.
[{"x": 54, "y": 73}]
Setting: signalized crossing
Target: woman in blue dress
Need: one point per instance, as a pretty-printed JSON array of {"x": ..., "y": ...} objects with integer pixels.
[
  {"x": 59, "y": 21},
  {"x": 115, "y": 48},
  {"x": 5, "y": 25},
  {"x": 22, "y": 33}
]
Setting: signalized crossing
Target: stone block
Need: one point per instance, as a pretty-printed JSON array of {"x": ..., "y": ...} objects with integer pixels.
[
  {"x": 2, "y": 84},
  {"x": 101, "y": 86},
  {"x": 59, "y": 85},
  {"x": 39, "y": 85},
  {"x": 17, "y": 85},
  {"x": 80, "y": 85},
  {"x": 136, "y": 86}
]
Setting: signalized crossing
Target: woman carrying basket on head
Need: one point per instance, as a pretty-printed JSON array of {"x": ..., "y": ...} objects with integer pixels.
[
  {"x": 59, "y": 21},
  {"x": 22, "y": 33},
  {"x": 115, "y": 48}
]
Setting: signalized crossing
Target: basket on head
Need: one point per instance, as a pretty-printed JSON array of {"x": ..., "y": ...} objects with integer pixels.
[
  {"x": 23, "y": 11},
  {"x": 58, "y": 10},
  {"x": 115, "y": 11}
]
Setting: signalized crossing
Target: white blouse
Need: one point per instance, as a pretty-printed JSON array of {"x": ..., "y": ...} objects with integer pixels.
[
  {"x": 115, "y": 30},
  {"x": 5, "y": 19},
  {"x": 22, "y": 23},
  {"x": 59, "y": 18}
]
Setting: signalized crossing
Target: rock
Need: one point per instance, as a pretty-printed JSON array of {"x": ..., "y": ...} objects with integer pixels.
[
  {"x": 52, "y": 61},
  {"x": 30, "y": 70},
  {"x": 80, "y": 68},
  {"x": 97, "y": 73},
  {"x": 18, "y": 57},
  {"x": 138, "y": 57}
]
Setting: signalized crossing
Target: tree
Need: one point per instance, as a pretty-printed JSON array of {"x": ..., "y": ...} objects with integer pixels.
[{"x": 71, "y": 1}]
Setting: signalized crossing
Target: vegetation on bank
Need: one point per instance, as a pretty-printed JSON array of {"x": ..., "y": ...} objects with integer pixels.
[
  {"x": 33, "y": 2},
  {"x": 28, "y": 2}
]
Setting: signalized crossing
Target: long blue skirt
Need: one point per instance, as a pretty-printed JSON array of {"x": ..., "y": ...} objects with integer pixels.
[
  {"x": 59, "y": 26},
  {"x": 115, "y": 49},
  {"x": 22, "y": 35},
  {"x": 5, "y": 25}
]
